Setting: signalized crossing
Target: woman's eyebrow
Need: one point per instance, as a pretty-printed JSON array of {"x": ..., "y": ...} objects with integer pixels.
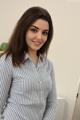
[{"x": 38, "y": 28}]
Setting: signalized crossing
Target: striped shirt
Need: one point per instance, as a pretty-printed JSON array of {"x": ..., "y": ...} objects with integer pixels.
[{"x": 27, "y": 92}]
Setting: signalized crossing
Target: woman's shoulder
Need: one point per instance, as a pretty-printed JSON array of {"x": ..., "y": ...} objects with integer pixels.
[
  {"x": 50, "y": 64},
  {"x": 4, "y": 60}
]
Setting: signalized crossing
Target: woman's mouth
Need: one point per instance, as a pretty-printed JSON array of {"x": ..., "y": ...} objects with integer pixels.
[{"x": 37, "y": 42}]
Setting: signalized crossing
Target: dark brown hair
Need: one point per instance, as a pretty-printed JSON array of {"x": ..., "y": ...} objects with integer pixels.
[{"x": 17, "y": 45}]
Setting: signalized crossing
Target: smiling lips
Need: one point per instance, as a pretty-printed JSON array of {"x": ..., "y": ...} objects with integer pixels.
[{"x": 37, "y": 42}]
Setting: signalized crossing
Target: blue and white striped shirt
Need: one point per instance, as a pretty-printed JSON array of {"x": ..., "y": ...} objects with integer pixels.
[{"x": 27, "y": 92}]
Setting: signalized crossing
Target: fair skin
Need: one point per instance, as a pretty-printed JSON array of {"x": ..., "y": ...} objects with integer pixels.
[{"x": 36, "y": 36}]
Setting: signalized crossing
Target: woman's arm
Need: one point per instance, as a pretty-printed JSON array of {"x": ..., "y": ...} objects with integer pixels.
[
  {"x": 5, "y": 81},
  {"x": 51, "y": 102}
]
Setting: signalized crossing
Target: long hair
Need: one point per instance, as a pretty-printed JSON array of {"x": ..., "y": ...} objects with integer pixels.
[{"x": 17, "y": 46}]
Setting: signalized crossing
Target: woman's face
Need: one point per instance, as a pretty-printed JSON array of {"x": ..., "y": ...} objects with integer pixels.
[{"x": 37, "y": 35}]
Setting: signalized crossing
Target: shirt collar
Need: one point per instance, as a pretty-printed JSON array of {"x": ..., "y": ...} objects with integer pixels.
[
  {"x": 41, "y": 57},
  {"x": 27, "y": 56}
]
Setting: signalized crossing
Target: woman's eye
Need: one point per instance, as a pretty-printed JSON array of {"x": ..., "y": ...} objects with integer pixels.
[
  {"x": 45, "y": 33},
  {"x": 33, "y": 30}
]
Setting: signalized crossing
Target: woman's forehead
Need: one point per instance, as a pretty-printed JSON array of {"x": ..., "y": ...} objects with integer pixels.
[{"x": 41, "y": 24}]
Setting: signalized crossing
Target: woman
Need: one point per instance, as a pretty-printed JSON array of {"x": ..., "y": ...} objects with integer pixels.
[{"x": 27, "y": 84}]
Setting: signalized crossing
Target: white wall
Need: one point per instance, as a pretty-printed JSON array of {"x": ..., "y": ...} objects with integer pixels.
[{"x": 65, "y": 46}]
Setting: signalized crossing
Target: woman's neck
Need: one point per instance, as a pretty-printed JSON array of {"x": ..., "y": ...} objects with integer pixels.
[{"x": 33, "y": 56}]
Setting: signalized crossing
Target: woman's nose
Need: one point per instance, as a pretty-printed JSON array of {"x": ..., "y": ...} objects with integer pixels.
[{"x": 39, "y": 35}]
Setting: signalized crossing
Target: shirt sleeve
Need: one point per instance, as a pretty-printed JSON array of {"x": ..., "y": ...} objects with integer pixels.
[
  {"x": 51, "y": 102},
  {"x": 5, "y": 82}
]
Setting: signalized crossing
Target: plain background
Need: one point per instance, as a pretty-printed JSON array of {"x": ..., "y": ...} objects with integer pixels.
[{"x": 65, "y": 47}]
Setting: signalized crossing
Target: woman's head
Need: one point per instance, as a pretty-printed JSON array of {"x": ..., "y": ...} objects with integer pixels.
[
  {"x": 37, "y": 35},
  {"x": 18, "y": 43}
]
